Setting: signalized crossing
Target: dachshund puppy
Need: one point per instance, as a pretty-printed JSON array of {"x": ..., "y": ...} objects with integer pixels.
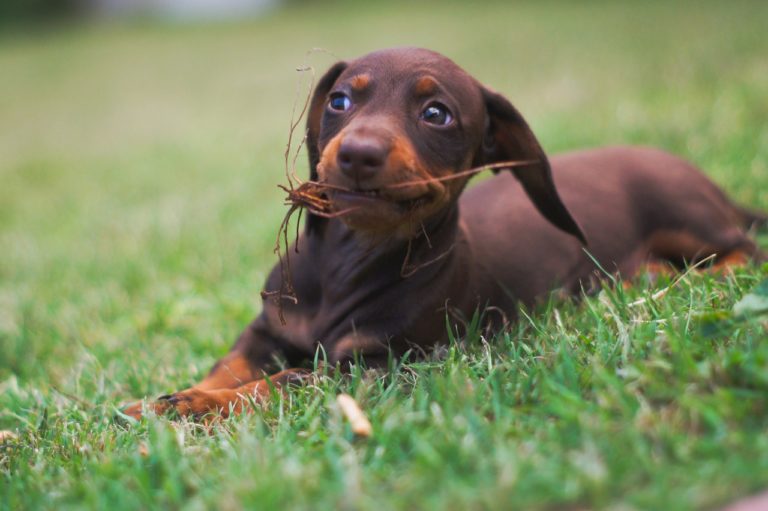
[{"x": 390, "y": 136}]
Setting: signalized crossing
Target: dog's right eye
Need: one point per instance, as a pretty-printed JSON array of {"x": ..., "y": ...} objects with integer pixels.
[
  {"x": 339, "y": 102},
  {"x": 437, "y": 114}
]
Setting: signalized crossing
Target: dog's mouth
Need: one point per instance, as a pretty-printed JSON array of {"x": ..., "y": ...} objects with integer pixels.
[
  {"x": 383, "y": 210},
  {"x": 362, "y": 198}
]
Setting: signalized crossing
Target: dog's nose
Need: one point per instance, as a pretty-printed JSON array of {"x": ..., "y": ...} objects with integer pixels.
[{"x": 362, "y": 157}]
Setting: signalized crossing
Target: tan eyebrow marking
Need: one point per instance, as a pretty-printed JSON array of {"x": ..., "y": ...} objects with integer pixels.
[
  {"x": 426, "y": 86},
  {"x": 360, "y": 82}
]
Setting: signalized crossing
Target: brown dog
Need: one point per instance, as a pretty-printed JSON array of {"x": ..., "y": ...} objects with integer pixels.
[{"x": 384, "y": 131}]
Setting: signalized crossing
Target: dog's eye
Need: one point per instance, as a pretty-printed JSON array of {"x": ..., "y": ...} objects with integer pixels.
[
  {"x": 340, "y": 102},
  {"x": 438, "y": 114}
]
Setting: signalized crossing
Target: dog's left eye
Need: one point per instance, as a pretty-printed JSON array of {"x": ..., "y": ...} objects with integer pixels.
[
  {"x": 437, "y": 114},
  {"x": 340, "y": 102}
]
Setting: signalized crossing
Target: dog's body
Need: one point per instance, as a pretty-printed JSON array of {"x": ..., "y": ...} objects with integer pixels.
[{"x": 385, "y": 131}]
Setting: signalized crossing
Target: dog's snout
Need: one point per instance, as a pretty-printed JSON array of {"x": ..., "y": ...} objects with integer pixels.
[{"x": 362, "y": 157}]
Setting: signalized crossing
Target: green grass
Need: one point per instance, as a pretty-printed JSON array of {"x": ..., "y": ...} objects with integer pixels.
[{"x": 138, "y": 211}]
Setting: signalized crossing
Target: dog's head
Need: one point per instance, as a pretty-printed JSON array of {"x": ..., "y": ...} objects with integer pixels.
[{"x": 386, "y": 129}]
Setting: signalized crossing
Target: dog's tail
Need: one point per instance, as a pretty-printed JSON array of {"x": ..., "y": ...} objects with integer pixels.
[{"x": 752, "y": 218}]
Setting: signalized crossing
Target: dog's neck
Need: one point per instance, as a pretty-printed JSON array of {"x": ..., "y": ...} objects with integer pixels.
[
  {"x": 385, "y": 261},
  {"x": 369, "y": 285}
]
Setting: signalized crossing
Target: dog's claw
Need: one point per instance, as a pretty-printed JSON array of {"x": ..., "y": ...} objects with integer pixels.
[{"x": 170, "y": 398}]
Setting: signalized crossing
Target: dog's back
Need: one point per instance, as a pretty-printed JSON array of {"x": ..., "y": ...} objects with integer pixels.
[{"x": 634, "y": 204}]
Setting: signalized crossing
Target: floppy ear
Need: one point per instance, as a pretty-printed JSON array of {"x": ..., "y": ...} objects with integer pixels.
[
  {"x": 316, "y": 109},
  {"x": 315, "y": 115},
  {"x": 508, "y": 138}
]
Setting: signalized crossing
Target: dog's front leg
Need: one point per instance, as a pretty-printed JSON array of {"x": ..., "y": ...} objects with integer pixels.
[
  {"x": 238, "y": 375},
  {"x": 197, "y": 403}
]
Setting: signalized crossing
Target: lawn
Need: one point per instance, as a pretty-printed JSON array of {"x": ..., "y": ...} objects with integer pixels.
[{"x": 138, "y": 213}]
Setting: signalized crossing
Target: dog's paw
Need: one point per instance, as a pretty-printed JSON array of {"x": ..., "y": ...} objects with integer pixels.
[
  {"x": 191, "y": 403},
  {"x": 136, "y": 410},
  {"x": 133, "y": 410},
  {"x": 196, "y": 404}
]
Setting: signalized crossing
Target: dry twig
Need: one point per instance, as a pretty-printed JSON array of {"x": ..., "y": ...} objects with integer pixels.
[{"x": 361, "y": 426}]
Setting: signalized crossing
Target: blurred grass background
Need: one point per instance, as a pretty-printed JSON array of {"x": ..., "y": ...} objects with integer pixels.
[{"x": 139, "y": 162}]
